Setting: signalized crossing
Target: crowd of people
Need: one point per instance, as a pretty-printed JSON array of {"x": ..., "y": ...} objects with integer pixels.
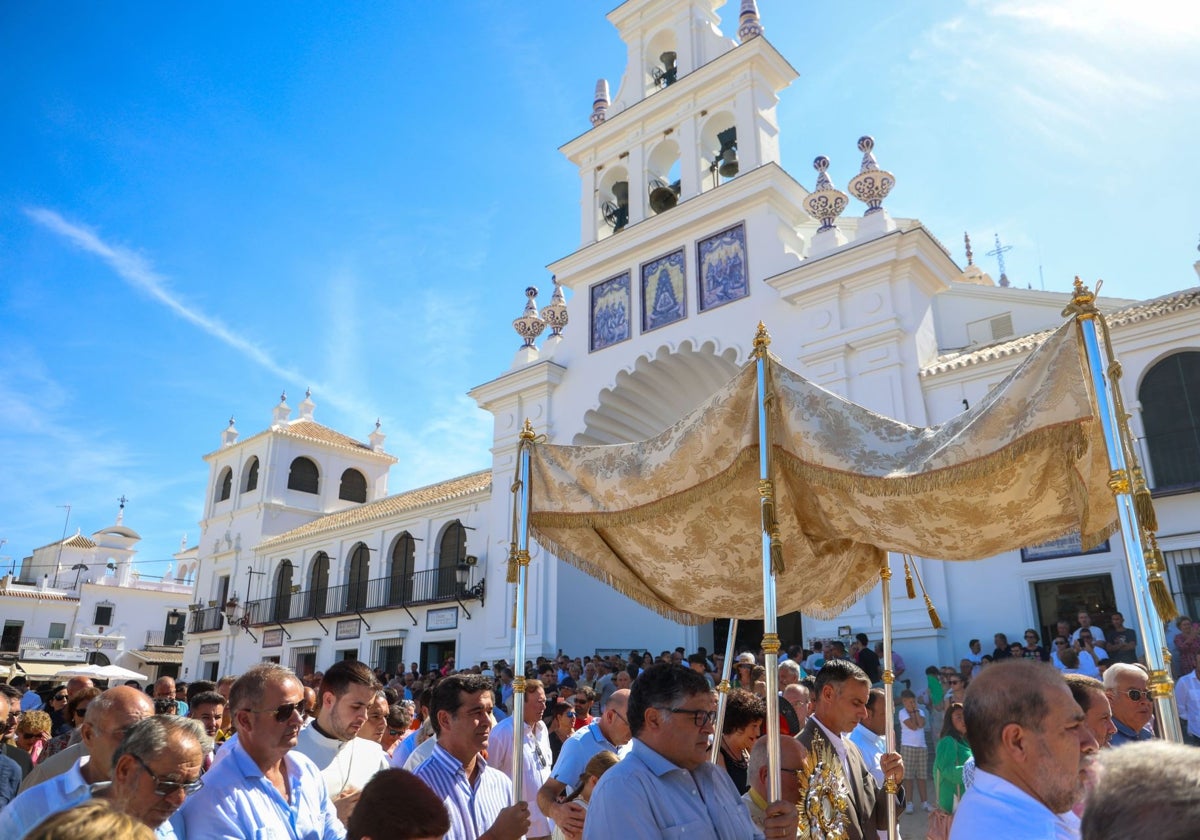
[{"x": 1001, "y": 745}]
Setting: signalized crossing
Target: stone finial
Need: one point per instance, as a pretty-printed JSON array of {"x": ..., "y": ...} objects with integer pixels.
[
  {"x": 282, "y": 411},
  {"x": 871, "y": 185},
  {"x": 556, "y": 313},
  {"x": 970, "y": 253},
  {"x": 749, "y": 25},
  {"x": 827, "y": 202},
  {"x": 230, "y": 435},
  {"x": 530, "y": 325},
  {"x": 377, "y": 437},
  {"x": 600, "y": 102},
  {"x": 306, "y": 407}
]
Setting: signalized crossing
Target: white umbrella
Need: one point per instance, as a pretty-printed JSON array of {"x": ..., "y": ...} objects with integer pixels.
[
  {"x": 92, "y": 671},
  {"x": 116, "y": 672}
]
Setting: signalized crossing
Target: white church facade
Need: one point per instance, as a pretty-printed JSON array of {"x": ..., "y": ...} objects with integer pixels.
[{"x": 691, "y": 233}]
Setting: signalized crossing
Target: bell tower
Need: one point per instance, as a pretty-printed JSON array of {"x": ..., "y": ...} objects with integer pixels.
[{"x": 694, "y": 110}]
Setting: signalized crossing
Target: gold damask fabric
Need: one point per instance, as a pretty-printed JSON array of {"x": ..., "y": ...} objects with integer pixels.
[{"x": 675, "y": 522}]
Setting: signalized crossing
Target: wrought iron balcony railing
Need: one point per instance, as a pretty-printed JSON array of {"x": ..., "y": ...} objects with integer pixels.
[{"x": 206, "y": 621}]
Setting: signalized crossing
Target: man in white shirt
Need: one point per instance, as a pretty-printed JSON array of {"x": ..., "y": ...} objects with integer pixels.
[
  {"x": 346, "y": 762},
  {"x": 1085, "y": 624},
  {"x": 1187, "y": 695},
  {"x": 1030, "y": 744},
  {"x": 869, "y": 735},
  {"x": 536, "y": 757}
]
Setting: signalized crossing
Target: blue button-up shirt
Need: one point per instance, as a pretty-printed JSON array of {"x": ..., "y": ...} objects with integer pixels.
[
  {"x": 56, "y": 794},
  {"x": 647, "y": 797},
  {"x": 1126, "y": 735},
  {"x": 238, "y": 801},
  {"x": 473, "y": 807},
  {"x": 577, "y": 751}
]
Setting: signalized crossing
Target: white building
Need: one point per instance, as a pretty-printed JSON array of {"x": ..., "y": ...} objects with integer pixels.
[
  {"x": 79, "y": 600},
  {"x": 691, "y": 233}
]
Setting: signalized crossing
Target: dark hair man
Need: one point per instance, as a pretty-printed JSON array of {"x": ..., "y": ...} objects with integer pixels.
[
  {"x": 1031, "y": 747},
  {"x": 346, "y": 762},
  {"x": 477, "y": 797},
  {"x": 396, "y": 805},
  {"x": 236, "y": 800},
  {"x": 1097, "y": 713},
  {"x": 666, "y": 785},
  {"x": 840, "y": 702}
]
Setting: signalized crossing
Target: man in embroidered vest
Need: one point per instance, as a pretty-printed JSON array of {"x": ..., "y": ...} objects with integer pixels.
[{"x": 842, "y": 692}]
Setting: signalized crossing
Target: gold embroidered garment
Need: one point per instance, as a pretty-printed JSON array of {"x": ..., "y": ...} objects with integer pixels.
[{"x": 675, "y": 521}]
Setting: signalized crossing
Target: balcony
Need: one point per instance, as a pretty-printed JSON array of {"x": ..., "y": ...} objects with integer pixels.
[
  {"x": 433, "y": 586},
  {"x": 162, "y": 638},
  {"x": 207, "y": 620}
]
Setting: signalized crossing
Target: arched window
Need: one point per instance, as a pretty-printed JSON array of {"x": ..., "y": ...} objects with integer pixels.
[
  {"x": 224, "y": 484},
  {"x": 1170, "y": 398},
  {"x": 404, "y": 559},
  {"x": 353, "y": 487},
  {"x": 303, "y": 476},
  {"x": 356, "y": 581},
  {"x": 452, "y": 550},
  {"x": 250, "y": 476},
  {"x": 283, "y": 592},
  {"x": 318, "y": 585}
]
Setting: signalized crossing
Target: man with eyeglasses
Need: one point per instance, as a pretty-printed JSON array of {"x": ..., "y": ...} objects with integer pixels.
[
  {"x": 108, "y": 718},
  {"x": 262, "y": 787},
  {"x": 791, "y": 766},
  {"x": 608, "y": 732},
  {"x": 1127, "y": 687},
  {"x": 536, "y": 758},
  {"x": 155, "y": 770},
  {"x": 666, "y": 785}
]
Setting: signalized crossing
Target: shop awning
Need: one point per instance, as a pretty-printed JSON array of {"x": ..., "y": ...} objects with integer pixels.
[
  {"x": 40, "y": 670},
  {"x": 158, "y": 657}
]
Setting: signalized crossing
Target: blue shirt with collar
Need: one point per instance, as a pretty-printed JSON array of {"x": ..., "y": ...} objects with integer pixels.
[
  {"x": 1126, "y": 735},
  {"x": 32, "y": 806},
  {"x": 238, "y": 801},
  {"x": 473, "y": 805},
  {"x": 577, "y": 751},
  {"x": 648, "y": 797}
]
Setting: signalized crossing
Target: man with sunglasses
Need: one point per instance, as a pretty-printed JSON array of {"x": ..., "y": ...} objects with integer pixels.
[
  {"x": 108, "y": 718},
  {"x": 156, "y": 768},
  {"x": 666, "y": 785},
  {"x": 536, "y": 758},
  {"x": 262, "y": 787},
  {"x": 1127, "y": 687}
]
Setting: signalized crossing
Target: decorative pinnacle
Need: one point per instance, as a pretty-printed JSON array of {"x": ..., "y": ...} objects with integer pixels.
[
  {"x": 600, "y": 102},
  {"x": 556, "y": 313},
  {"x": 231, "y": 421},
  {"x": 527, "y": 430},
  {"x": 762, "y": 340},
  {"x": 530, "y": 325},
  {"x": 308, "y": 393},
  {"x": 283, "y": 396},
  {"x": 749, "y": 25},
  {"x": 967, "y": 241},
  {"x": 871, "y": 185},
  {"x": 827, "y": 202}
]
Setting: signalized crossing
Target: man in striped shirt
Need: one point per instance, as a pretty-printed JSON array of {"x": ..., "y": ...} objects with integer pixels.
[{"x": 477, "y": 797}]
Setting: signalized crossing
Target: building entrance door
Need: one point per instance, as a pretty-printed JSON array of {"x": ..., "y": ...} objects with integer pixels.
[
  {"x": 1064, "y": 598},
  {"x": 433, "y": 654}
]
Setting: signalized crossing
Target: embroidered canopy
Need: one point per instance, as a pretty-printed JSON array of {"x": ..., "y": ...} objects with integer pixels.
[{"x": 674, "y": 522}]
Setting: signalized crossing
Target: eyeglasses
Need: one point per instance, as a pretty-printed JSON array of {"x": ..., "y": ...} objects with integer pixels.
[
  {"x": 163, "y": 787},
  {"x": 61, "y": 697},
  {"x": 1136, "y": 694},
  {"x": 955, "y": 682},
  {"x": 700, "y": 717},
  {"x": 1060, "y": 642},
  {"x": 282, "y": 713},
  {"x": 572, "y": 715},
  {"x": 395, "y": 731},
  {"x": 31, "y": 736}
]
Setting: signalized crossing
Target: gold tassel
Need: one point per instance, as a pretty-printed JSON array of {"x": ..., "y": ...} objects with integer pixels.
[
  {"x": 1143, "y": 503},
  {"x": 934, "y": 618},
  {"x": 1163, "y": 602},
  {"x": 511, "y": 576},
  {"x": 908, "y": 581}
]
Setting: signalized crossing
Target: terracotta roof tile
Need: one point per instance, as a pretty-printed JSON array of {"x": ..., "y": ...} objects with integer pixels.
[
  {"x": 43, "y": 595},
  {"x": 388, "y": 507},
  {"x": 312, "y": 431},
  {"x": 1143, "y": 311}
]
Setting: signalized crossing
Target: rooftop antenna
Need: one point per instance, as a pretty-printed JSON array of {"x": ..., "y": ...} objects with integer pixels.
[{"x": 998, "y": 253}]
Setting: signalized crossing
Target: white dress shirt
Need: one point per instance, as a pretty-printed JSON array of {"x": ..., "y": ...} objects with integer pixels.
[{"x": 535, "y": 765}]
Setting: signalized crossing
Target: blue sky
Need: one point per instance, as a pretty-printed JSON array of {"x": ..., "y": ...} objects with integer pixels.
[{"x": 203, "y": 205}]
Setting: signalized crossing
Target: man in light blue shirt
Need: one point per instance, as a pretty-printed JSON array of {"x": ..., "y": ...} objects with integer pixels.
[
  {"x": 869, "y": 734},
  {"x": 1128, "y": 690},
  {"x": 665, "y": 787},
  {"x": 262, "y": 788},
  {"x": 108, "y": 718},
  {"x": 1031, "y": 746}
]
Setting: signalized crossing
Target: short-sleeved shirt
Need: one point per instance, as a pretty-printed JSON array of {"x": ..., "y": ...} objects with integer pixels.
[
  {"x": 578, "y": 751},
  {"x": 994, "y": 807},
  {"x": 648, "y": 797},
  {"x": 33, "y": 805},
  {"x": 473, "y": 805},
  {"x": 238, "y": 801},
  {"x": 1126, "y": 636}
]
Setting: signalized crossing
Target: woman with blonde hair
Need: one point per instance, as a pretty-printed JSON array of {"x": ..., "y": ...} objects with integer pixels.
[
  {"x": 33, "y": 731},
  {"x": 597, "y": 766},
  {"x": 95, "y": 819}
]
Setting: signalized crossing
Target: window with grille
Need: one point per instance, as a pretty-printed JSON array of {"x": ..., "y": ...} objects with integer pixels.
[
  {"x": 251, "y": 482},
  {"x": 303, "y": 476},
  {"x": 353, "y": 487},
  {"x": 224, "y": 484}
]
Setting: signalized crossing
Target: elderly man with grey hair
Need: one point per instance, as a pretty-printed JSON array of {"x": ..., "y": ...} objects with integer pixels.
[
  {"x": 1128, "y": 690},
  {"x": 1145, "y": 790}
]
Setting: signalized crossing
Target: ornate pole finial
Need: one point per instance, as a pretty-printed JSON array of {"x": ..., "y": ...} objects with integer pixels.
[
  {"x": 556, "y": 313},
  {"x": 871, "y": 185},
  {"x": 749, "y": 25},
  {"x": 967, "y": 242},
  {"x": 530, "y": 325},
  {"x": 827, "y": 202},
  {"x": 762, "y": 340},
  {"x": 527, "y": 430},
  {"x": 600, "y": 102}
]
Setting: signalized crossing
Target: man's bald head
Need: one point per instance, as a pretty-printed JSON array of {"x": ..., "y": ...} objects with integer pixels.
[
  {"x": 105, "y": 723},
  {"x": 791, "y": 758},
  {"x": 76, "y": 684},
  {"x": 1005, "y": 693}
]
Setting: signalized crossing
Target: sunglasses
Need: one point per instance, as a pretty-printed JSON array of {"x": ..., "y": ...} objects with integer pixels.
[
  {"x": 60, "y": 697},
  {"x": 163, "y": 787},
  {"x": 282, "y": 713},
  {"x": 394, "y": 732},
  {"x": 1136, "y": 694},
  {"x": 33, "y": 736},
  {"x": 572, "y": 714},
  {"x": 700, "y": 717},
  {"x": 955, "y": 682}
]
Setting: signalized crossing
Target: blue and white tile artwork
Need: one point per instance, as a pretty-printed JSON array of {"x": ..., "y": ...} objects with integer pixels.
[
  {"x": 722, "y": 269},
  {"x": 664, "y": 289},
  {"x": 611, "y": 304}
]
